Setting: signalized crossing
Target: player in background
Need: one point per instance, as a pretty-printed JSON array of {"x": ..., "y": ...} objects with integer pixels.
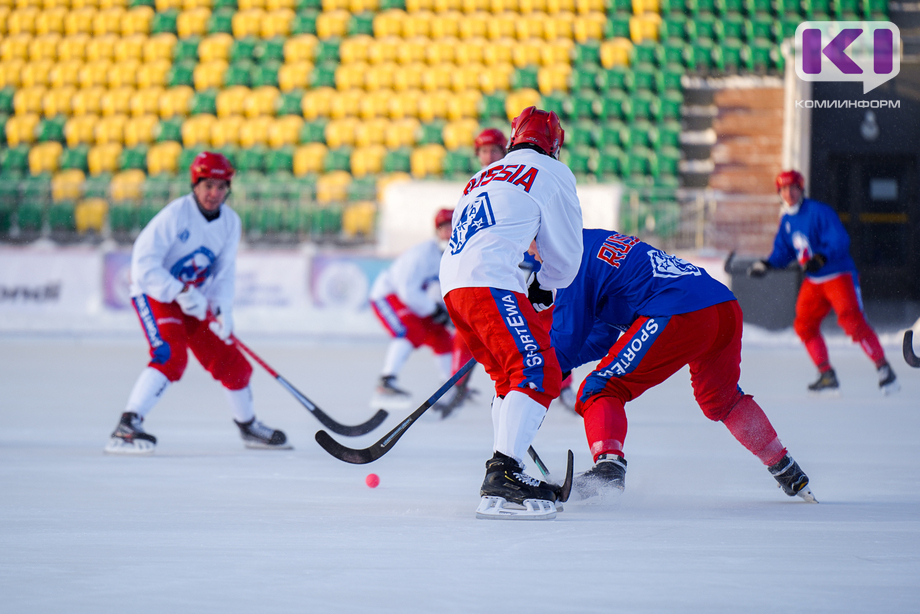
[
  {"x": 490, "y": 146},
  {"x": 183, "y": 266},
  {"x": 528, "y": 196},
  {"x": 672, "y": 314},
  {"x": 810, "y": 233},
  {"x": 407, "y": 300}
]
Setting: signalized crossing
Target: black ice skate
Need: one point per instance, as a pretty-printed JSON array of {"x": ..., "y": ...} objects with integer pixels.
[
  {"x": 825, "y": 384},
  {"x": 129, "y": 436},
  {"x": 887, "y": 381},
  {"x": 608, "y": 476},
  {"x": 792, "y": 479},
  {"x": 257, "y": 435},
  {"x": 389, "y": 396},
  {"x": 506, "y": 483},
  {"x": 461, "y": 394}
]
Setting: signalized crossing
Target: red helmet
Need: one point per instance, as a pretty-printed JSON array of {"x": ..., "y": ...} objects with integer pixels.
[
  {"x": 540, "y": 128},
  {"x": 443, "y": 216},
  {"x": 790, "y": 178},
  {"x": 208, "y": 165},
  {"x": 491, "y": 136}
]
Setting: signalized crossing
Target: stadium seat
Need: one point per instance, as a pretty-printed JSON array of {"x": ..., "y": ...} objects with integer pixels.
[
  {"x": 104, "y": 158},
  {"x": 226, "y": 131},
  {"x": 255, "y": 131},
  {"x": 163, "y": 158},
  {"x": 285, "y": 131}
]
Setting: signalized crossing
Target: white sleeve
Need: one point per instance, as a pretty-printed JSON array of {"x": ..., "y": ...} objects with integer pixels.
[
  {"x": 222, "y": 290},
  {"x": 412, "y": 273},
  {"x": 149, "y": 254},
  {"x": 559, "y": 239}
]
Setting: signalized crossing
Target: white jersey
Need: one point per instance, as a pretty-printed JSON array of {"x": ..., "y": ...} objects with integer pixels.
[
  {"x": 410, "y": 277},
  {"x": 524, "y": 196},
  {"x": 179, "y": 246}
]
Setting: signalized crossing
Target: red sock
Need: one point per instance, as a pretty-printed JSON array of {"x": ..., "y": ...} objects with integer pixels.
[
  {"x": 605, "y": 426},
  {"x": 751, "y": 427},
  {"x": 817, "y": 349}
]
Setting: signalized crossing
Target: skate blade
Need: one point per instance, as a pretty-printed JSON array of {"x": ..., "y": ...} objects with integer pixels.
[
  {"x": 120, "y": 446},
  {"x": 891, "y": 388},
  {"x": 805, "y": 494},
  {"x": 497, "y": 508},
  {"x": 832, "y": 393},
  {"x": 257, "y": 445}
]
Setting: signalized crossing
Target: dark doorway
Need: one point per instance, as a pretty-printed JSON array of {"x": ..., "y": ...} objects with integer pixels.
[{"x": 877, "y": 199}]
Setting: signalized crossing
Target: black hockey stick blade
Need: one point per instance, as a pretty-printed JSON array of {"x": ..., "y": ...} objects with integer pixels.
[
  {"x": 386, "y": 443},
  {"x": 729, "y": 261},
  {"x": 909, "y": 356},
  {"x": 541, "y": 466},
  {"x": 329, "y": 423},
  {"x": 563, "y": 491}
]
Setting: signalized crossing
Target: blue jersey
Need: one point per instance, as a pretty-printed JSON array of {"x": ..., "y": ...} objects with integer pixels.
[
  {"x": 620, "y": 279},
  {"x": 815, "y": 228}
]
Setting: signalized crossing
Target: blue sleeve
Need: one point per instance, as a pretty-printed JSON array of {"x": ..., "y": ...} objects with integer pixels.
[
  {"x": 783, "y": 252},
  {"x": 833, "y": 242},
  {"x": 573, "y": 318},
  {"x": 598, "y": 343}
]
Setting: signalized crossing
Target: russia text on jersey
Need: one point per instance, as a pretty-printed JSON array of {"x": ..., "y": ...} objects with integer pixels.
[
  {"x": 515, "y": 174},
  {"x": 615, "y": 248}
]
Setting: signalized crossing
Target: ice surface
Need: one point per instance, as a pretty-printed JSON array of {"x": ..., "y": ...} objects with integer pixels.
[{"x": 205, "y": 525}]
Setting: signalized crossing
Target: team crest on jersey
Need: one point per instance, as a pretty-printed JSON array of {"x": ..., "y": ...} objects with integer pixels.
[
  {"x": 183, "y": 236},
  {"x": 194, "y": 268},
  {"x": 802, "y": 248},
  {"x": 666, "y": 265},
  {"x": 476, "y": 216}
]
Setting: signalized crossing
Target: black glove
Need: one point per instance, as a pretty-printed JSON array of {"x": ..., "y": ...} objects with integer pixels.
[
  {"x": 758, "y": 269},
  {"x": 440, "y": 316},
  {"x": 815, "y": 263},
  {"x": 540, "y": 299}
]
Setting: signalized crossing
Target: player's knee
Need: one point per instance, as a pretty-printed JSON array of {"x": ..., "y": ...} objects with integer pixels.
[
  {"x": 173, "y": 367},
  {"x": 854, "y": 325},
  {"x": 717, "y": 407},
  {"x": 806, "y": 329},
  {"x": 237, "y": 376}
]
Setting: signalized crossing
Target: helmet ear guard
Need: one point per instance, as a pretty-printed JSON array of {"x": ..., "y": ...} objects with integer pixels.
[{"x": 539, "y": 128}]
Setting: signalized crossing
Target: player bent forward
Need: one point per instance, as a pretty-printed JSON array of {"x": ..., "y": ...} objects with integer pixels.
[
  {"x": 672, "y": 314},
  {"x": 527, "y": 195},
  {"x": 183, "y": 265}
]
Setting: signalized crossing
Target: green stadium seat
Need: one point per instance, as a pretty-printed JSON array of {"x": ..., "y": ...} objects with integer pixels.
[
  {"x": 6, "y": 100},
  {"x": 289, "y": 103},
  {"x": 168, "y": 130},
  {"x": 728, "y": 56},
  {"x": 242, "y": 49},
  {"x": 361, "y": 23},
  {"x": 133, "y": 158},
  {"x": 397, "y": 161},
  {"x": 204, "y": 101},
  {"x": 304, "y": 22},
  {"x": 37, "y": 188},
  {"x": 525, "y": 77},
  {"x": 269, "y": 50},
  {"x": 698, "y": 55},
  {"x": 667, "y": 134},
  {"x": 136, "y": 3},
  {"x": 492, "y": 106},
  {"x": 314, "y": 132},
  {"x": 580, "y": 134},
  {"x": 671, "y": 51},
  {"x": 642, "y": 104},
  {"x": 787, "y": 26},
  {"x": 641, "y": 77},
  {"x": 610, "y": 134},
  {"x": 323, "y": 75},
  {"x": 186, "y": 156},
  {"x": 122, "y": 217},
  {"x": 459, "y": 162},
  {"x": 610, "y": 163},
  {"x": 97, "y": 186},
  {"x": 618, "y": 5},
  {"x": 181, "y": 74},
  {"x": 576, "y": 158},
  {"x": 6, "y": 217},
  {"x": 327, "y": 220},
  {"x": 610, "y": 106},
  {"x": 146, "y": 211},
  {"x": 731, "y": 26},
  {"x": 365, "y": 188},
  {"x": 75, "y": 158},
  {"x": 584, "y": 77},
  {"x": 239, "y": 73},
  {"x": 587, "y": 53},
  {"x": 612, "y": 78},
  {"x": 553, "y": 102},
  {"x": 164, "y": 22},
  {"x": 268, "y": 218},
  {"x": 759, "y": 55},
  {"x": 727, "y": 7},
  {"x": 51, "y": 129},
  {"x": 430, "y": 133},
  {"x": 327, "y": 51},
  {"x": 644, "y": 53},
  {"x": 752, "y": 7},
  {"x": 279, "y": 160},
  {"x": 666, "y": 162},
  {"x": 264, "y": 74},
  {"x": 250, "y": 159},
  {"x": 14, "y": 160},
  {"x": 315, "y": 5},
  {"x": 701, "y": 28},
  {"x": 813, "y": 8},
  {"x": 697, "y": 7},
  {"x": 673, "y": 25},
  {"x": 669, "y": 77},
  {"x": 221, "y": 21},
  {"x": 637, "y": 134},
  {"x": 338, "y": 159},
  {"x": 670, "y": 104},
  {"x": 186, "y": 49},
  {"x": 61, "y": 218},
  {"x": 29, "y": 217},
  {"x": 876, "y": 10},
  {"x": 579, "y": 105},
  {"x": 386, "y": 5},
  {"x": 156, "y": 189},
  {"x": 617, "y": 25},
  {"x": 760, "y": 25}
]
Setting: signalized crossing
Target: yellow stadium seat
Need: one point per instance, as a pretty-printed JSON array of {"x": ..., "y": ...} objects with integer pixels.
[
  {"x": 560, "y": 25},
  {"x": 90, "y": 214},
  {"x": 341, "y": 132},
  {"x": 382, "y": 76},
  {"x": 583, "y": 7},
  {"x": 555, "y": 52},
  {"x": 193, "y": 22},
  {"x": 438, "y": 77},
  {"x": 388, "y": 23},
  {"x": 470, "y": 51},
  {"x": 417, "y": 6},
  {"x": 519, "y": 100},
  {"x": 352, "y": 50},
  {"x": 499, "y": 52},
  {"x": 284, "y": 131},
  {"x": 527, "y": 53},
  {"x": 383, "y": 50},
  {"x": 37, "y": 73},
  {"x": 230, "y": 100},
  {"x": 301, "y": 48},
  {"x": 371, "y": 132},
  {"x": 445, "y": 25},
  {"x": 15, "y": 47},
  {"x": 309, "y": 159},
  {"x": 247, "y": 23},
  {"x": 140, "y": 130},
  {"x": 401, "y": 133},
  {"x": 4, "y": 19},
  {"x": 334, "y": 5},
  {"x": 444, "y": 6},
  {"x": 50, "y": 4},
  {"x": 367, "y": 160},
  {"x": 165, "y": 5},
  {"x": 20, "y": 129},
  {"x": 163, "y": 157},
  {"x": 67, "y": 185},
  {"x": 272, "y": 5},
  {"x": 475, "y": 25},
  {"x": 474, "y": 6},
  {"x": 412, "y": 50},
  {"x": 226, "y": 131},
  {"x": 137, "y": 21},
  {"x": 209, "y": 74},
  {"x": 332, "y": 187},
  {"x": 108, "y": 4},
  {"x": 294, "y": 76},
  {"x": 159, "y": 47},
  {"x": 405, "y": 104},
  {"x": 441, "y": 51},
  {"x": 130, "y": 48},
  {"x": 79, "y": 21},
  {"x": 88, "y": 101},
  {"x": 73, "y": 47},
  {"x": 433, "y": 105},
  {"x": 124, "y": 73},
  {"x": 615, "y": 52},
  {"x": 196, "y": 130},
  {"x": 589, "y": 27},
  {"x": 11, "y": 73},
  {"x": 127, "y": 185},
  {"x": 644, "y": 6},
  {"x": 348, "y": 76},
  {"x": 95, "y": 74},
  {"x": 331, "y": 24},
  {"x": 215, "y": 47},
  {"x": 101, "y": 47},
  {"x": 277, "y": 22},
  {"x": 317, "y": 102},
  {"x": 22, "y": 20},
  {"x": 58, "y": 101},
  {"x": 361, "y": 6},
  {"x": 108, "y": 21},
  {"x": 529, "y": 26},
  {"x": 554, "y": 7},
  {"x": 503, "y": 25},
  {"x": 464, "y": 105},
  {"x": 554, "y": 78},
  {"x": 255, "y": 131},
  {"x": 466, "y": 77},
  {"x": 84, "y": 4},
  {"x": 460, "y": 133},
  {"x": 261, "y": 101},
  {"x": 28, "y": 100},
  {"x": 153, "y": 74},
  {"x": 409, "y": 77},
  {"x": 44, "y": 47},
  {"x": 644, "y": 27},
  {"x": 358, "y": 219},
  {"x": 175, "y": 101},
  {"x": 346, "y": 104},
  {"x": 44, "y": 157},
  {"x": 427, "y": 161},
  {"x": 103, "y": 158},
  {"x": 417, "y": 24},
  {"x": 497, "y": 7},
  {"x": 375, "y": 104},
  {"x": 496, "y": 78},
  {"x": 117, "y": 101},
  {"x": 248, "y": 5},
  {"x": 111, "y": 129},
  {"x": 146, "y": 101}
]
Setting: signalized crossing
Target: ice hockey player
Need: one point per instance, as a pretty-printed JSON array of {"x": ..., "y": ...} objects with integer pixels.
[
  {"x": 407, "y": 300},
  {"x": 671, "y": 313},
  {"x": 490, "y": 146},
  {"x": 182, "y": 267},
  {"x": 811, "y": 234},
  {"x": 529, "y": 195}
]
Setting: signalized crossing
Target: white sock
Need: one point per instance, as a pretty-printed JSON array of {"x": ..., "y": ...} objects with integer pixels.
[
  {"x": 149, "y": 387},
  {"x": 496, "y": 412},
  {"x": 519, "y": 420},
  {"x": 241, "y": 403},
  {"x": 397, "y": 355}
]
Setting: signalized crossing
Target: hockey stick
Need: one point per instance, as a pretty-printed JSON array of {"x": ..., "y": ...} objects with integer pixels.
[
  {"x": 332, "y": 425},
  {"x": 909, "y": 356},
  {"x": 729, "y": 261},
  {"x": 385, "y": 444},
  {"x": 565, "y": 489}
]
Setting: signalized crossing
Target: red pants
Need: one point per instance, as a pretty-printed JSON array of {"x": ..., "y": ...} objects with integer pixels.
[
  {"x": 401, "y": 321},
  {"x": 171, "y": 334},
  {"x": 509, "y": 339},
  {"x": 841, "y": 294}
]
